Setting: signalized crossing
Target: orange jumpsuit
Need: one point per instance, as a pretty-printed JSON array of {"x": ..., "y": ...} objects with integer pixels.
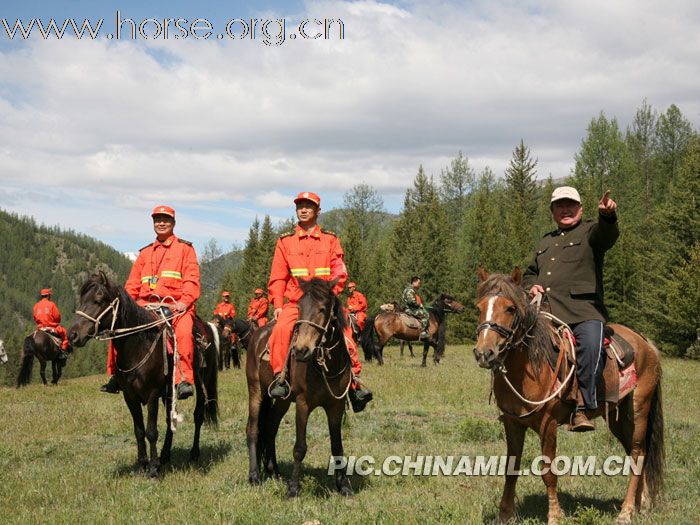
[
  {"x": 302, "y": 254},
  {"x": 225, "y": 310},
  {"x": 257, "y": 310},
  {"x": 167, "y": 271},
  {"x": 46, "y": 315},
  {"x": 357, "y": 304}
]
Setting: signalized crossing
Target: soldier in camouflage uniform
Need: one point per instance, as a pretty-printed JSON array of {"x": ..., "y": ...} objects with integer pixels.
[{"x": 413, "y": 305}]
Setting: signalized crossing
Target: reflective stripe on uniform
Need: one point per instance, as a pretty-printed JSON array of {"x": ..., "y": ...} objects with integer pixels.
[
  {"x": 171, "y": 274},
  {"x": 146, "y": 278},
  {"x": 322, "y": 271},
  {"x": 299, "y": 272}
]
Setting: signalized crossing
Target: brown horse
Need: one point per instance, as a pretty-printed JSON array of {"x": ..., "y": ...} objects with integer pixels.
[
  {"x": 512, "y": 341},
  {"x": 40, "y": 345},
  {"x": 388, "y": 324},
  {"x": 144, "y": 367},
  {"x": 319, "y": 373}
]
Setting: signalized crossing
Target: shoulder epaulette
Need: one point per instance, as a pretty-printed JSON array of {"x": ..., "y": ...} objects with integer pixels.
[
  {"x": 141, "y": 249},
  {"x": 184, "y": 241},
  {"x": 287, "y": 234},
  {"x": 329, "y": 232}
]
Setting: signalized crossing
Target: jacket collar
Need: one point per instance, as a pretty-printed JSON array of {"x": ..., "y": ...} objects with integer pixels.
[
  {"x": 167, "y": 242},
  {"x": 313, "y": 232}
]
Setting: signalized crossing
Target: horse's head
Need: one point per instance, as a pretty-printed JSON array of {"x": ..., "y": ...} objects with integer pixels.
[
  {"x": 450, "y": 304},
  {"x": 3, "y": 353},
  {"x": 318, "y": 309},
  {"x": 96, "y": 311},
  {"x": 501, "y": 304}
]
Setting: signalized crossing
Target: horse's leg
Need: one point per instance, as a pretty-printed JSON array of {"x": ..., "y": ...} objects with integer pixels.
[
  {"x": 641, "y": 405},
  {"x": 302, "y": 418},
  {"x": 335, "y": 420},
  {"x": 152, "y": 435},
  {"x": 278, "y": 410},
  {"x": 139, "y": 430},
  {"x": 548, "y": 443},
  {"x": 168, "y": 441},
  {"x": 198, "y": 419},
  {"x": 255, "y": 402},
  {"x": 42, "y": 370},
  {"x": 55, "y": 372},
  {"x": 410, "y": 348},
  {"x": 401, "y": 343},
  {"x": 515, "y": 437},
  {"x": 426, "y": 346}
]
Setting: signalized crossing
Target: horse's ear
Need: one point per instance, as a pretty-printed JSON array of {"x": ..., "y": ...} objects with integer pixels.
[
  {"x": 516, "y": 276},
  {"x": 482, "y": 273}
]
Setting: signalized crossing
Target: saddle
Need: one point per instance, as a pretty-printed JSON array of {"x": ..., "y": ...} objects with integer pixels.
[
  {"x": 619, "y": 375},
  {"x": 409, "y": 321},
  {"x": 56, "y": 340}
]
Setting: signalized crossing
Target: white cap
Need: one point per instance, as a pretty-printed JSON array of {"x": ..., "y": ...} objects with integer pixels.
[{"x": 565, "y": 192}]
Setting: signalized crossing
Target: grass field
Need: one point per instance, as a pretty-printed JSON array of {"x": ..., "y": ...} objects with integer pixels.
[{"x": 67, "y": 455}]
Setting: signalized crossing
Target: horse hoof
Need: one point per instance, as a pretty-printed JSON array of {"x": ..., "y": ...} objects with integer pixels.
[
  {"x": 625, "y": 519},
  {"x": 154, "y": 473},
  {"x": 345, "y": 489},
  {"x": 194, "y": 455},
  {"x": 293, "y": 492},
  {"x": 254, "y": 479}
]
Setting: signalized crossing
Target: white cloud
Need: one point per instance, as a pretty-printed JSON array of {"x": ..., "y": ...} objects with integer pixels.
[{"x": 231, "y": 130}]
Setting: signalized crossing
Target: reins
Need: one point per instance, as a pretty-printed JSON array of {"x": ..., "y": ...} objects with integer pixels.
[
  {"x": 322, "y": 353},
  {"x": 508, "y": 333}
]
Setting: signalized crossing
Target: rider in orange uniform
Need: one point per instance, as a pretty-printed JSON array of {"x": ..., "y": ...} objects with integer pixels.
[
  {"x": 357, "y": 304},
  {"x": 257, "y": 310},
  {"x": 46, "y": 315},
  {"x": 306, "y": 252},
  {"x": 166, "y": 270},
  {"x": 225, "y": 308}
]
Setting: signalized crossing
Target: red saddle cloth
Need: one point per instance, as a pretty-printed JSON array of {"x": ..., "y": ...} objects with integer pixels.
[{"x": 622, "y": 357}]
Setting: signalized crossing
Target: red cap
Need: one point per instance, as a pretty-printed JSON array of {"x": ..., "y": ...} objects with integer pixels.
[
  {"x": 351, "y": 284},
  {"x": 45, "y": 291},
  {"x": 163, "y": 210},
  {"x": 225, "y": 294},
  {"x": 308, "y": 196},
  {"x": 258, "y": 290}
]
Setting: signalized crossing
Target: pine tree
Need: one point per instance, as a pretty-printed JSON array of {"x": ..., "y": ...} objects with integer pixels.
[{"x": 521, "y": 205}]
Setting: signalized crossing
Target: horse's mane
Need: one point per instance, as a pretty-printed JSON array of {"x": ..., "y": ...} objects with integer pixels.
[
  {"x": 539, "y": 339},
  {"x": 130, "y": 312},
  {"x": 320, "y": 290}
]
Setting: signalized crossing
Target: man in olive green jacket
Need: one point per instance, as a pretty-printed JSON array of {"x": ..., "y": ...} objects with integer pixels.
[
  {"x": 413, "y": 305},
  {"x": 568, "y": 267}
]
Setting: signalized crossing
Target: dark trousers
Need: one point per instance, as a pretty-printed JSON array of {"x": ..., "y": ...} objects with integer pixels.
[{"x": 590, "y": 359}]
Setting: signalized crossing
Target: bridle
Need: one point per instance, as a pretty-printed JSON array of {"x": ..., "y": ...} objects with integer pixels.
[
  {"x": 322, "y": 353},
  {"x": 113, "y": 333},
  {"x": 508, "y": 333}
]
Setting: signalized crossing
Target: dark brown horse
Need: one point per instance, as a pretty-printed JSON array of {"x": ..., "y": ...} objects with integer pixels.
[
  {"x": 243, "y": 329},
  {"x": 319, "y": 373},
  {"x": 40, "y": 345},
  {"x": 389, "y": 324},
  {"x": 144, "y": 366},
  {"x": 513, "y": 340}
]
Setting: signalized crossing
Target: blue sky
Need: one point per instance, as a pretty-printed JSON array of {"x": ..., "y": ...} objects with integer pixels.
[{"x": 94, "y": 134}]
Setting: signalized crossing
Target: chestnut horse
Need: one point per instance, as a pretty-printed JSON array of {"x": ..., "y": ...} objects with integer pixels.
[
  {"x": 388, "y": 324},
  {"x": 319, "y": 373},
  {"x": 144, "y": 368},
  {"x": 512, "y": 341}
]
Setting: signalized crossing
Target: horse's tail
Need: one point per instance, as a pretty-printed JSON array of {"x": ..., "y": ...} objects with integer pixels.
[
  {"x": 27, "y": 363},
  {"x": 367, "y": 339},
  {"x": 655, "y": 459},
  {"x": 210, "y": 382}
]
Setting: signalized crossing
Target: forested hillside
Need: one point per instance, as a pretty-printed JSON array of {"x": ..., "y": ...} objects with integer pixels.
[
  {"x": 457, "y": 219},
  {"x": 33, "y": 257}
]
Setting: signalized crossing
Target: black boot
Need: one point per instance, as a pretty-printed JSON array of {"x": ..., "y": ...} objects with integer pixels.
[
  {"x": 359, "y": 398},
  {"x": 279, "y": 390},
  {"x": 184, "y": 390},
  {"x": 111, "y": 386}
]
